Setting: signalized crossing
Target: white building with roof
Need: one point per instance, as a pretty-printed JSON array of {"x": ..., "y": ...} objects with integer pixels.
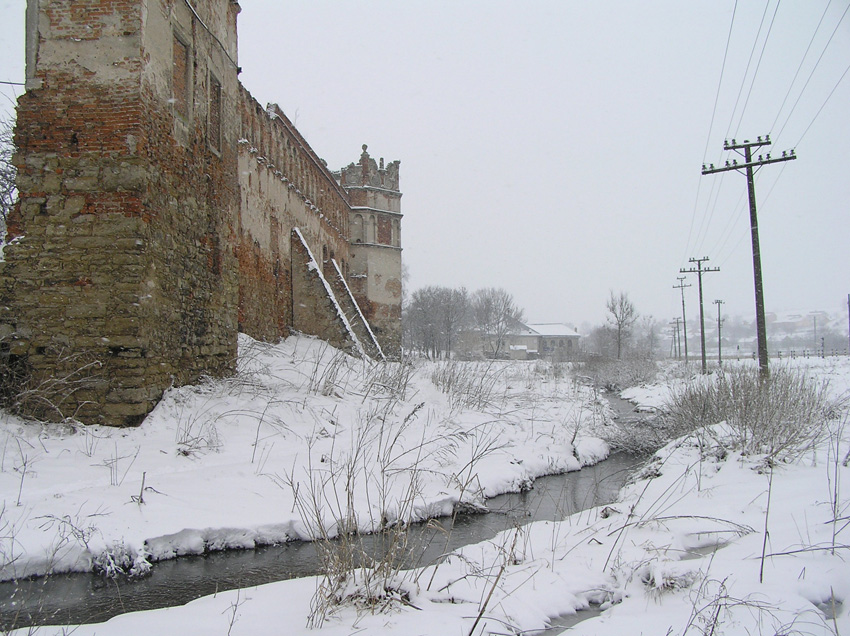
[{"x": 555, "y": 340}]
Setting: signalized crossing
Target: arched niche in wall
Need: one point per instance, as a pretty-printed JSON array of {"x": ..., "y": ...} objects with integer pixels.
[{"x": 357, "y": 229}]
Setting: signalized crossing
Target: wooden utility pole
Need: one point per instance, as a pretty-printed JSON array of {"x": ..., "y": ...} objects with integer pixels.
[
  {"x": 682, "y": 286},
  {"x": 677, "y": 339},
  {"x": 747, "y": 166},
  {"x": 699, "y": 271},
  {"x": 719, "y": 342},
  {"x": 848, "y": 323}
]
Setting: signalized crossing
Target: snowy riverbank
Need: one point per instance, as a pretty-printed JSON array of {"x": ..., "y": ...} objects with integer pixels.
[
  {"x": 219, "y": 465},
  {"x": 706, "y": 540}
]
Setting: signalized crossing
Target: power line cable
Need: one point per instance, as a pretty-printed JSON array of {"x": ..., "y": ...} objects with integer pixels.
[
  {"x": 778, "y": 176},
  {"x": 719, "y": 82},
  {"x": 758, "y": 64},
  {"x": 734, "y": 219},
  {"x": 799, "y": 68},
  {"x": 747, "y": 70},
  {"x": 710, "y": 129},
  {"x": 710, "y": 208},
  {"x": 843, "y": 75},
  {"x": 803, "y": 90}
]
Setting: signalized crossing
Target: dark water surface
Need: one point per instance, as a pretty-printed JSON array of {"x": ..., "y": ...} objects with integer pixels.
[{"x": 89, "y": 598}]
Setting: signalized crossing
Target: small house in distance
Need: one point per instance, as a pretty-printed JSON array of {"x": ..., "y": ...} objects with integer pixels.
[{"x": 553, "y": 340}]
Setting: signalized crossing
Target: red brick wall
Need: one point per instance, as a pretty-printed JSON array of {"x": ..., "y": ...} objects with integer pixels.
[{"x": 284, "y": 185}]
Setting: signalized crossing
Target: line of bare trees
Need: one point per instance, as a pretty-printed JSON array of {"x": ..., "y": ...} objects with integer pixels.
[{"x": 440, "y": 322}]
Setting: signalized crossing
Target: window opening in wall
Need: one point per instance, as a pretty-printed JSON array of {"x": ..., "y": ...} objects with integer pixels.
[
  {"x": 357, "y": 228},
  {"x": 180, "y": 78},
  {"x": 214, "y": 131}
]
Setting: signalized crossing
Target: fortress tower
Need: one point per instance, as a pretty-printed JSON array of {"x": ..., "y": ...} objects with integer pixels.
[
  {"x": 121, "y": 276},
  {"x": 375, "y": 229}
]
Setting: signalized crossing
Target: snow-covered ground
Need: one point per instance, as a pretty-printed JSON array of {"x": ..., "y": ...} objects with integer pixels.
[
  {"x": 706, "y": 541},
  {"x": 219, "y": 465}
]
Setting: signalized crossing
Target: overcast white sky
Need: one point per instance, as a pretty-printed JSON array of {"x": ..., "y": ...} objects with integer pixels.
[{"x": 554, "y": 148}]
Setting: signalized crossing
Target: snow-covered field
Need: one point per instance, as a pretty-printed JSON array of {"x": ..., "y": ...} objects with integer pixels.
[{"x": 704, "y": 542}]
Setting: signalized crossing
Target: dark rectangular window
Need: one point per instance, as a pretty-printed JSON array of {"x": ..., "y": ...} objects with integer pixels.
[
  {"x": 215, "y": 114},
  {"x": 180, "y": 78}
]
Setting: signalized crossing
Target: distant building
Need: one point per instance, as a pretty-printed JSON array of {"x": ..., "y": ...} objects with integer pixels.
[{"x": 552, "y": 340}]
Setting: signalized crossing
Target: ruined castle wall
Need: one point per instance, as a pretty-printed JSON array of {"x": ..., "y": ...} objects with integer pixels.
[
  {"x": 283, "y": 185},
  {"x": 157, "y": 206},
  {"x": 317, "y": 312},
  {"x": 121, "y": 279},
  {"x": 191, "y": 199},
  {"x": 72, "y": 278}
]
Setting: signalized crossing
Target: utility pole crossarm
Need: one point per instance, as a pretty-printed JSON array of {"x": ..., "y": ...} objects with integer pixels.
[
  {"x": 747, "y": 146},
  {"x": 762, "y": 161}
]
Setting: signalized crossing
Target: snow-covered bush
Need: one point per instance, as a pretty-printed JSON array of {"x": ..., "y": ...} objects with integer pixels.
[
  {"x": 616, "y": 375},
  {"x": 119, "y": 560},
  {"x": 783, "y": 414}
]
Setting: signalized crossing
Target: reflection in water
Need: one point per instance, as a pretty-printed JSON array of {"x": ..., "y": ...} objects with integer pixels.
[{"x": 87, "y": 598}]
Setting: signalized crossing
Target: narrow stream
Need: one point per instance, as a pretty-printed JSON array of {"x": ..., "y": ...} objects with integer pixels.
[{"x": 88, "y": 598}]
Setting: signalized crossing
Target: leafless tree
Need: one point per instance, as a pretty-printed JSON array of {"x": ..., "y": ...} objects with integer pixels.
[
  {"x": 8, "y": 192},
  {"x": 648, "y": 337},
  {"x": 453, "y": 311},
  {"x": 496, "y": 315},
  {"x": 420, "y": 321},
  {"x": 434, "y": 317},
  {"x": 622, "y": 316}
]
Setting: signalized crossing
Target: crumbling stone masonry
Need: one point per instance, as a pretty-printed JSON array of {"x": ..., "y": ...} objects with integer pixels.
[{"x": 162, "y": 210}]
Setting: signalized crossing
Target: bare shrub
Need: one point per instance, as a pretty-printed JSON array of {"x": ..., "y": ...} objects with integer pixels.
[
  {"x": 48, "y": 397},
  {"x": 636, "y": 436},
  {"x": 781, "y": 415},
  {"x": 389, "y": 377},
  {"x": 467, "y": 384},
  {"x": 616, "y": 375}
]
